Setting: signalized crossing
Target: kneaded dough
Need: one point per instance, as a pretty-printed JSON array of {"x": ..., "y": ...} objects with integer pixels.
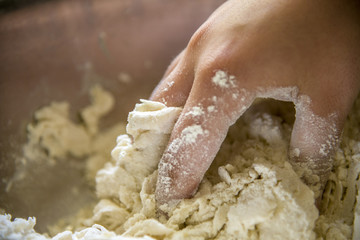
[{"x": 249, "y": 192}]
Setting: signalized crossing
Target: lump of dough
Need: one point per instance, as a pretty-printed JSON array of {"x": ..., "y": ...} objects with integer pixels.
[{"x": 254, "y": 194}]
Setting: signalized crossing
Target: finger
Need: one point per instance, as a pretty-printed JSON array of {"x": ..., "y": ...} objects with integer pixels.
[
  {"x": 314, "y": 139},
  {"x": 174, "y": 88},
  {"x": 173, "y": 64},
  {"x": 196, "y": 138}
]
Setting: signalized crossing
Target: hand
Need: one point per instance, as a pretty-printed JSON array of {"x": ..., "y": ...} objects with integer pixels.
[{"x": 306, "y": 52}]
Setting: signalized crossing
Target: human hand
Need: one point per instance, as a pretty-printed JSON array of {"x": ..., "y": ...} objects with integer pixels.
[{"x": 306, "y": 52}]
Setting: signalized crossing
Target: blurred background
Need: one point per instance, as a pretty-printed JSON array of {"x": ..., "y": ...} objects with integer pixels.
[{"x": 55, "y": 51}]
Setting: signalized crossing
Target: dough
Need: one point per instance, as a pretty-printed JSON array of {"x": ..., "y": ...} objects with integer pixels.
[
  {"x": 249, "y": 192},
  {"x": 54, "y": 136}
]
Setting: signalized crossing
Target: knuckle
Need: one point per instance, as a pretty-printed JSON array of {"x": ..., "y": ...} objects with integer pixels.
[{"x": 198, "y": 37}]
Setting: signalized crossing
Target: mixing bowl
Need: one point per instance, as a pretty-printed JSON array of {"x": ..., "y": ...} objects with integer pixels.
[{"x": 57, "y": 50}]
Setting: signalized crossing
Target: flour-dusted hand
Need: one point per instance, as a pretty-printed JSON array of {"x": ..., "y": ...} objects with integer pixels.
[{"x": 306, "y": 52}]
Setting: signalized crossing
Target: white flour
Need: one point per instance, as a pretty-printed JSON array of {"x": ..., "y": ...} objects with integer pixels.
[
  {"x": 249, "y": 192},
  {"x": 190, "y": 133},
  {"x": 195, "y": 112},
  {"x": 223, "y": 80}
]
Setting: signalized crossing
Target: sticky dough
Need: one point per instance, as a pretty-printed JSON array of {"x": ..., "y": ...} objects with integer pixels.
[{"x": 249, "y": 192}]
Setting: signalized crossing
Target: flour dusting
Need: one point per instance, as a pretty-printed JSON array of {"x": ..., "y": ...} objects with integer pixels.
[
  {"x": 195, "y": 111},
  {"x": 223, "y": 80},
  {"x": 190, "y": 134}
]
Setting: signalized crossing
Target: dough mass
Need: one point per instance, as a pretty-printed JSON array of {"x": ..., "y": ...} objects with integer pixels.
[{"x": 250, "y": 191}]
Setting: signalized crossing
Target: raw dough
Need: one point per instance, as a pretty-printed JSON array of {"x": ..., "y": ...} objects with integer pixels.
[
  {"x": 54, "y": 136},
  {"x": 250, "y": 191}
]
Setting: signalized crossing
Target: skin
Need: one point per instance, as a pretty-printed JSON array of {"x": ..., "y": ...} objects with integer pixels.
[{"x": 306, "y": 52}]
